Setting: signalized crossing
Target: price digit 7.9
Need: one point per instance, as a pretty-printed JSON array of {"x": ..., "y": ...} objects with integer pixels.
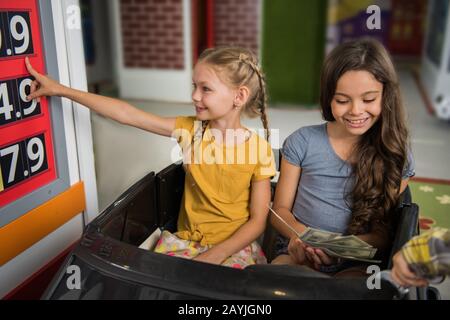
[{"x": 22, "y": 160}]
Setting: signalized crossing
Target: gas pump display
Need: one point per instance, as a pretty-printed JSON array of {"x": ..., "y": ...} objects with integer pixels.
[{"x": 26, "y": 147}]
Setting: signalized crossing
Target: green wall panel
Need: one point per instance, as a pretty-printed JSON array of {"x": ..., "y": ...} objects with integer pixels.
[{"x": 293, "y": 45}]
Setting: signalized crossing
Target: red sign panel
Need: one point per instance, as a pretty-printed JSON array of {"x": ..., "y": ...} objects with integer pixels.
[{"x": 26, "y": 148}]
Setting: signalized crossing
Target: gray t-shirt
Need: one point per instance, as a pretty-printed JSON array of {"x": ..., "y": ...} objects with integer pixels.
[{"x": 325, "y": 179}]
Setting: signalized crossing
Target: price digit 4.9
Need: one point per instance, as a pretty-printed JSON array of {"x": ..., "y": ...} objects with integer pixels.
[
  {"x": 6, "y": 108},
  {"x": 13, "y": 103}
]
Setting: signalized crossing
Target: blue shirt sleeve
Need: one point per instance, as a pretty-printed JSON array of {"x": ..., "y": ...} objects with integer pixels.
[
  {"x": 408, "y": 171},
  {"x": 295, "y": 147}
]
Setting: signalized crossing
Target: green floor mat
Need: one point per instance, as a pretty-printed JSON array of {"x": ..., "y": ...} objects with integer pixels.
[{"x": 433, "y": 199}]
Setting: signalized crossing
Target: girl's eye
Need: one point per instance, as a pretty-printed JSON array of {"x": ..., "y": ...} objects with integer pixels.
[
  {"x": 369, "y": 100},
  {"x": 206, "y": 89},
  {"x": 342, "y": 101}
]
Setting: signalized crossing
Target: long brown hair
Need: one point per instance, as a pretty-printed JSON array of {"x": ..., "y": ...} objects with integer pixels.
[
  {"x": 239, "y": 67},
  {"x": 381, "y": 153}
]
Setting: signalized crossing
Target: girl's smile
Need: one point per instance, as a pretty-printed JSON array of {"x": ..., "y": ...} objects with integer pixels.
[
  {"x": 357, "y": 123},
  {"x": 199, "y": 109}
]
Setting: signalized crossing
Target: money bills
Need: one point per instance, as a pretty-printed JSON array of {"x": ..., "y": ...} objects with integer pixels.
[{"x": 335, "y": 244}]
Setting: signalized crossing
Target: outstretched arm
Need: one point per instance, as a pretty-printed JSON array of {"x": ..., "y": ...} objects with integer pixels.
[
  {"x": 115, "y": 109},
  {"x": 248, "y": 232}
]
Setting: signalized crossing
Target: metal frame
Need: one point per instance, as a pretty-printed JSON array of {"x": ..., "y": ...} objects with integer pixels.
[{"x": 39, "y": 196}]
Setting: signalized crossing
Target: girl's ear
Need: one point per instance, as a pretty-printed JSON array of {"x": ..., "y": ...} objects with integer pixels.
[{"x": 241, "y": 97}]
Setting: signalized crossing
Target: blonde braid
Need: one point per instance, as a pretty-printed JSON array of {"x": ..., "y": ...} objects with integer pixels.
[
  {"x": 204, "y": 125},
  {"x": 263, "y": 103},
  {"x": 261, "y": 96}
]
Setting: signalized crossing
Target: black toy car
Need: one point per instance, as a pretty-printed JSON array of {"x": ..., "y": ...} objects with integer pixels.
[{"x": 112, "y": 266}]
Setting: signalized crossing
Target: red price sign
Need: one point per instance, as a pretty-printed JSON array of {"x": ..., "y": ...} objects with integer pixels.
[{"x": 26, "y": 147}]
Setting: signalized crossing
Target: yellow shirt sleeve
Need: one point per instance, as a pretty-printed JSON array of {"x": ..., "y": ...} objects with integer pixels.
[
  {"x": 265, "y": 168},
  {"x": 184, "y": 130},
  {"x": 186, "y": 123}
]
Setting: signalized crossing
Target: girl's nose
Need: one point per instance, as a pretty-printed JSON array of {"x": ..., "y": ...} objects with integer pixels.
[
  {"x": 196, "y": 96},
  {"x": 357, "y": 108}
]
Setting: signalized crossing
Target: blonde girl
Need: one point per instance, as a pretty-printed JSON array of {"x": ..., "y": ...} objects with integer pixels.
[{"x": 228, "y": 167}]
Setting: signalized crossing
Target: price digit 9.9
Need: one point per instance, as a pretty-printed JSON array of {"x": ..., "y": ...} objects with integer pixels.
[
  {"x": 2, "y": 39},
  {"x": 20, "y": 33},
  {"x": 15, "y": 38}
]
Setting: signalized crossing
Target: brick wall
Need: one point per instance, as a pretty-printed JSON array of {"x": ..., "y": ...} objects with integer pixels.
[
  {"x": 236, "y": 22},
  {"x": 152, "y": 33}
]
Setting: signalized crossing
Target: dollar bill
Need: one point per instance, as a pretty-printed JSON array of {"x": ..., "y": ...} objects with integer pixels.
[
  {"x": 315, "y": 235},
  {"x": 363, "y": 252},
  {"x": 337, "y": 255},
  {"x": 344, "y": 250},
  {"x": 334, "y": 244},
  {"x": 366, "y": 253},
  {"x": 348, "y": 241}
]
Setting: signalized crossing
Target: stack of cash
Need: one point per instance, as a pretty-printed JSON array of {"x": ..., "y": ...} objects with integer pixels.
[{"x": 335, "y": 244}]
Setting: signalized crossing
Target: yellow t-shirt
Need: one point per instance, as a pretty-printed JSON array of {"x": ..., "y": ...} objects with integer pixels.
[{"x": 216, "y": 197}]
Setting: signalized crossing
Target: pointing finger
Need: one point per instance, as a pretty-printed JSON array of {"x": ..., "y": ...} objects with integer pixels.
[
  {"x": 34, "y": 95},
  {"x": 30, "y": 68},
  {"x": 33, "y": 86}
]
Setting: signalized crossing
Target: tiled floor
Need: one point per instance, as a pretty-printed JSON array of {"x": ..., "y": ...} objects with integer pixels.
[{"x": 125, "y": 154}]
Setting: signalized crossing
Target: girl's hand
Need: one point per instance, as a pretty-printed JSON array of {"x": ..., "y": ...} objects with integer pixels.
[
  {"x": 402, "y": 275},
  {"x": 210, "y": 256},
  {"x": 317, "y": 257},
  {"x": 42, "y": 85},
  {"x": 296, "y": 250}
]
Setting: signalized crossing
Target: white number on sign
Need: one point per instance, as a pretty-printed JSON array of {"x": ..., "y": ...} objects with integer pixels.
[
  {"x": 23, "y": 36},
  {"x": 39, "y": 155},
  {"x": 23, "y": 96},
  {"x": 14, "y": 149},
  {"x": 5, "y": 107}
]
